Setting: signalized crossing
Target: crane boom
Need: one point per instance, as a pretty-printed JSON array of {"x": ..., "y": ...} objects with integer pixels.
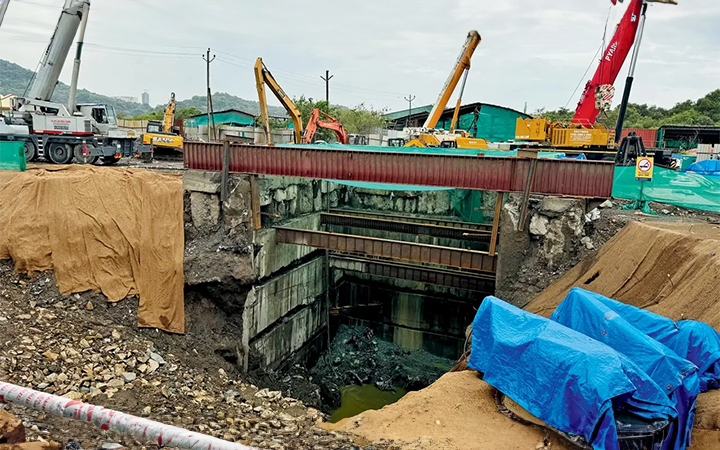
[
  {"x": 462, "y": 65},
  {"x": 3, "y": 8},
  {"x": 610, "y": 65},
  {"x": 53, "y": 60},
  {"x": 263, "y": 77},
  {"x": 331, "y": 124},
  {"x": 169, "y": 114}
]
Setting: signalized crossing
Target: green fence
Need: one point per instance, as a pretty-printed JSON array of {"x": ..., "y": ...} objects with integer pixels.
[
  {"x": 688, "y": 190},
  {"x": 12, "y": 156}
]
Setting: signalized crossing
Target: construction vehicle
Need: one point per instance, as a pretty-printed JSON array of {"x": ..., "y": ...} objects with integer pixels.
[
  {"x": 263, "y": 77},
  {"x": 583, "y": 134},
  {"x": 56, "y": 131},
  {"x": 331, "y": 124},
  {"x": 427, "y": 135},
  {"x": 164, "y": 135}
]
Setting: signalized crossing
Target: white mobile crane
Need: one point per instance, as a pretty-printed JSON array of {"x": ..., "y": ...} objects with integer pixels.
[{"x": 53, "y": 130}]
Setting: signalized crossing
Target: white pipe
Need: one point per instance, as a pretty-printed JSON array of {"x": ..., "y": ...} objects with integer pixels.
[{"x": 142, "y": 429}]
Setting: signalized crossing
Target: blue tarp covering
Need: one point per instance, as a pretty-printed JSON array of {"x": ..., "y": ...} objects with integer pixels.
[
  {"x": 708, "y": 167},
  {"x": 570, "y": 381},
  {"x": 586, "y": 312},
  {"x": 695, "y": 341}
]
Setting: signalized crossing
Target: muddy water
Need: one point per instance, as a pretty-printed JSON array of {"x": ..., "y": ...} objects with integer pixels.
[{"x": 356, "y": 399}]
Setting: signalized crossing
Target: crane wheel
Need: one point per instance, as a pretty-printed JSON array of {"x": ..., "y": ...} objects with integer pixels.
[
  {"x": 82, "y": 159},
  {"x": 30, "y": 151},
  {"x": 60, "y": 153}
]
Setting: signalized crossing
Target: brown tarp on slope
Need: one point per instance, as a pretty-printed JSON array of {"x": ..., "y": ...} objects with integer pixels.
[{"x": 118, "y": 231}]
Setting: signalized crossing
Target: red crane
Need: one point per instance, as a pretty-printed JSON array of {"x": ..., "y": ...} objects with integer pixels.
[
  {"x": 600, "y": 89},
  {"x": 331, "y": 124}
]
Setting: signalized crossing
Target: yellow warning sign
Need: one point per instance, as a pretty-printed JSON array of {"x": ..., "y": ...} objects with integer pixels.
[{"x": 644, "y": 168}]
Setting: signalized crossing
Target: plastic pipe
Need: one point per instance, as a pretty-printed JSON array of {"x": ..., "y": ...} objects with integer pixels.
[{"x": 143, "y": 430}]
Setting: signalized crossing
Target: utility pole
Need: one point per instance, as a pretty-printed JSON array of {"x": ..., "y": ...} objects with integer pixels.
[
  {"x": 410, "y": 98},
  {"x": 210, "y": 116},
  {"x": 327, "y": 79}
]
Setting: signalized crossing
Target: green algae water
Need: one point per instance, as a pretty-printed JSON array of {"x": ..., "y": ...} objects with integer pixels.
[{"x": 356, "y": 399}]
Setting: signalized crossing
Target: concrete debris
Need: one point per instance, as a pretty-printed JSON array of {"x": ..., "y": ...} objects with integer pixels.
[
  {"x": 538, "y": 225},
  {"x": 157, "y": 358},
  {"x": 587, "y": 242},
  {"x": 556, "y": 206},
  {"x": 592, "y": 216}
]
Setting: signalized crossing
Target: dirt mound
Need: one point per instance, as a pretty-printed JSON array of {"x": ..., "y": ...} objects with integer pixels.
[
  {"x": 457, "y": 412},
  {"x": 670, "y": 269},
  {"x": 117, "y": 231}
]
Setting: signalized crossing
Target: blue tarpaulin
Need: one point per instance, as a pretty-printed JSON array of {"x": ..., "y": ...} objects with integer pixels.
[
  {"x": 695, "y": 341},
  {"x": 565, "y": 378},
  {"x": 709, "y": 167},
  {"x": 586, "y": 312}
]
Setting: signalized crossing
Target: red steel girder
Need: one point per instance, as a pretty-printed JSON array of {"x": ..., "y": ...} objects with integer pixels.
[
  {"x": 553, "y": 177},
  {"x": 385, "y": 248}
]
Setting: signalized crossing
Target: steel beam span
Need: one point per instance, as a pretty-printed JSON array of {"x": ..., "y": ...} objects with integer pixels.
[
  {"x": 423, "y": 220},
  {"x": 461, "y": 234},
  {"x": 553, "y": 177},
  {"x": 385, "y": 248},
  {"x": 448, "y": 278}
]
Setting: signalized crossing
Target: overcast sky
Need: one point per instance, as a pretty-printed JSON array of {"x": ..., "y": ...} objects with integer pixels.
[{"x": 379, "y": 51}]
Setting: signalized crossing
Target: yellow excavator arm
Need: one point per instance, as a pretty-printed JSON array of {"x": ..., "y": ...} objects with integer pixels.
[
  {"x": 263, "y": 77},
  {"x": 461, "y": 66},
  {"x": 169, "y": 118}
]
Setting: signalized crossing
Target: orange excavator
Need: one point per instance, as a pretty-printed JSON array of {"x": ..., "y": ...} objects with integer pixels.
[{"x": 331, "y": 124}]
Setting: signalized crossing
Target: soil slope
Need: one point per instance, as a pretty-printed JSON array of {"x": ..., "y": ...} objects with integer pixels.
[{"x": 457, "y": 412}]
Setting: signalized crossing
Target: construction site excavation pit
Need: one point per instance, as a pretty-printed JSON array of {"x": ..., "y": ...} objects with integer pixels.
[
  {"x": 323, "y": 282},
  {"x": 332, "y": 297}
]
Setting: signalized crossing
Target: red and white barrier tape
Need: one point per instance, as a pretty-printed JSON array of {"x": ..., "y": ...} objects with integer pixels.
[{"x": 143, "y": 430}]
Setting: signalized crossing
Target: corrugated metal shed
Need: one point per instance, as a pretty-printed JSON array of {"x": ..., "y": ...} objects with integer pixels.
[
  {"x": 649, "y": 136},
  {"x": 228, "y": 117},
  {"x": 495, "y": 123}
]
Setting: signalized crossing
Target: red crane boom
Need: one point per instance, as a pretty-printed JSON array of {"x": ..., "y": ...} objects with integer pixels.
[{"x": 607, "y": 72}]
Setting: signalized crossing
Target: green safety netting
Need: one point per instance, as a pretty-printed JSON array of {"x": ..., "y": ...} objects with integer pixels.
[
  {"x": 12, "y": 156},
  {"x": 687, "y": 189}
]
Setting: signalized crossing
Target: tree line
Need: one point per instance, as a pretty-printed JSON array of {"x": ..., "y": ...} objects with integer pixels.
[{"x": 705, "y": 111}]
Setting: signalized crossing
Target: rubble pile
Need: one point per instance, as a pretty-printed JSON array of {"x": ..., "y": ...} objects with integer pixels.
[{"x": 61, "y": 346}]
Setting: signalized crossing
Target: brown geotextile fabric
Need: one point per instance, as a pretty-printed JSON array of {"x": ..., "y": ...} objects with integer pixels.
[{"x": 113, "y": 230}]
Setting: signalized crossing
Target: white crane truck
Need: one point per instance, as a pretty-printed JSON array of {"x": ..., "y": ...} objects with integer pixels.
[{"x": 58, "y": 132}]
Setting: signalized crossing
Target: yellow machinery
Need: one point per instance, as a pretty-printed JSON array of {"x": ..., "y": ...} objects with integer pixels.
[
  {"x": 263, "y": 77},
  {"x": 164, "y": 134},
  {"x": 428, "y": 136},
  {"x": 562, "y": 135}
]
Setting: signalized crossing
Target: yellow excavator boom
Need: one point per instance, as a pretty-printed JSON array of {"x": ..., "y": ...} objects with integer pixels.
[
  {"x": 169, "y": 118},
  {"x": 461, "y": 66},
  {"x": 263, "y": 77}
]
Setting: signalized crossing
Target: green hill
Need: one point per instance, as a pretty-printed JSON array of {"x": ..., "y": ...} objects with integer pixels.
[{"x": 15, "y": 80}]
